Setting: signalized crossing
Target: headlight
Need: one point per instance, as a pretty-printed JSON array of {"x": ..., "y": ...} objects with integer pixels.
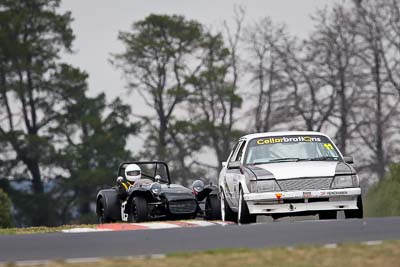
[
  {"x": 264, "y": 186},
  {"x": 198, "y": 186},
  {"x": 155, "y": 188},
  {"x": 344, "y": 181}
]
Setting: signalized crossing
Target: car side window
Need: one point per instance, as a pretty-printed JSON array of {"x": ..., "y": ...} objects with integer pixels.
[
  {"x": 240, "y": 153},
  {"x": 233, "y": 153}
]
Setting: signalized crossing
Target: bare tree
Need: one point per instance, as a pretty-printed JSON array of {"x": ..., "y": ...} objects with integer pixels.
[
  {"x": 334, "y": 46},
  {"x": 264, "y": 40},
  {"x": 311, "y": 99},
  {"x": 215, "y": 99},
  {"x": 379, "y": 60}
]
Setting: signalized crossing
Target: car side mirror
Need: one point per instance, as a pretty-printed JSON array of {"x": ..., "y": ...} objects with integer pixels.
[
  {"x": 348, "y": 159},
  {"x": 234, "y": 165},
  {"x": 224, "y": 164},
  {"x": 120, "y": 179}
]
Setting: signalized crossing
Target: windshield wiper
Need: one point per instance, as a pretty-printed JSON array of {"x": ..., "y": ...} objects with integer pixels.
[
  {"x": 260, "y": 162},
  {"x": 277, "y": 160},
  {"x": 323, "y": 158},
  {"x": 284, "y": 159}
]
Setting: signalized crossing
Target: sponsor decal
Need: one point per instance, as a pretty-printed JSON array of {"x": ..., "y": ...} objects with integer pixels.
[
  {"x": 328, "y": 146},
  {"x": 274, "y": 140},
  {"x": 278, "y": 196},
  {"x": 306, "y": 194}
]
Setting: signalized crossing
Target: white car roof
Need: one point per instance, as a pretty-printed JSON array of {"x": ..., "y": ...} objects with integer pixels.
[{"x": 266, "y": 134}]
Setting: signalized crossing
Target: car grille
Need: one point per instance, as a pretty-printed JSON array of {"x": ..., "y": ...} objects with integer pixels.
[
  {"x": 319, "y": 183},
  {"x": 182, "y": 206}
]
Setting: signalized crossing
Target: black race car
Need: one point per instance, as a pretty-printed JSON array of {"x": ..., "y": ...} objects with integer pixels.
[{"x": 154, "y": 197}]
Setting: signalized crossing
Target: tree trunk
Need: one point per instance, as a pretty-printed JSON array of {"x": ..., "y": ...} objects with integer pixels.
[
  {"x": 37, "y": 184},
  {"x": 343, "y": 128},
  {"x": 162, "y": 140},
  {"x": 380, "y": 153}
]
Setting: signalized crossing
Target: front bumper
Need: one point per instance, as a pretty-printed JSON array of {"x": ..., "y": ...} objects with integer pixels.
[{"x": 302, "y": 201}]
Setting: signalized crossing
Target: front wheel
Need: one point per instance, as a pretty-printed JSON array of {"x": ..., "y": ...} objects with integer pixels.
[
  {"x": 227, "y": 214},
  {"x": 213, "y": 208},
  {"x": 355, "y": 214},
  {"x": 139, "y": 212},
  {"x": 101, "y": 215},
  {"x": 244, "y": 215},
  {"x": 328, "y": 215}
]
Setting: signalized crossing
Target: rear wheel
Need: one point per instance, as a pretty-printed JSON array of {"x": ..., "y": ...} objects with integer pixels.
[
  {"x": 328, "y": 215},
  {"x": 213, "y": 208},
  {"x": 244, "y": 215},
  {"x": 226, "y": 212},
  {"x": 139, "y": 212},
  {"x": 355, "y": 214}
]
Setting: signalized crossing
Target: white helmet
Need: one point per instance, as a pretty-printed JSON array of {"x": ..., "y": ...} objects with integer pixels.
[{"x": 133, "y": 172}]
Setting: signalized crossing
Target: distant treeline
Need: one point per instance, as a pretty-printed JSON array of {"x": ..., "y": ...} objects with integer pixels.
[{"x": 205, "y": 87}]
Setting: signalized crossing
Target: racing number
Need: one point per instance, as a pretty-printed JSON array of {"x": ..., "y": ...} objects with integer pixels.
[{"x": 328, "y": 146}]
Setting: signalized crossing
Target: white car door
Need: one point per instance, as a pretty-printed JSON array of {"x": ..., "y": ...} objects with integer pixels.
[{"x": 233, "y": 175}]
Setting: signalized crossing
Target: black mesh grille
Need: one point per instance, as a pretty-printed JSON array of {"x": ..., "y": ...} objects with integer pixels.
[
  {"x": 318, "y": 183},
  {"x": 182, "y": 206}
]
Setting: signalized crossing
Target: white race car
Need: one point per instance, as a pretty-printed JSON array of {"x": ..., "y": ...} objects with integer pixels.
[{"x": 285, "y": 174}]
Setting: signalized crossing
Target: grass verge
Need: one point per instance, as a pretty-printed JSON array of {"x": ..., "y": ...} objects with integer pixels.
[
  {"x": 362, "y": 255},
  {"x": 41, "y": 229}
]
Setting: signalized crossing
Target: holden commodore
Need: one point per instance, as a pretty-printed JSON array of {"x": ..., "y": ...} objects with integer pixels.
[{"x": 286, "y": 174}]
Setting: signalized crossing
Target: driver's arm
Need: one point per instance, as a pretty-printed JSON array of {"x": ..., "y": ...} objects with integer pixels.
[{"x": 125, "y": 186}]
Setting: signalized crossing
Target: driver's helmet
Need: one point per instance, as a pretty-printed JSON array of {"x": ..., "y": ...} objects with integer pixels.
[{"x": 133, "y": 172}]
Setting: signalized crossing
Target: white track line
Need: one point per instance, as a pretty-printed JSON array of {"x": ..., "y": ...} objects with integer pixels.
[
  {"x": 79, "y": 260},
  {"x": 200, "y": 223},
  {"x": 84, "y": 230},
  {"x": 83, "y": 260},
  {"x": 373, "y": 242},
  {"x": 158, "y": 225},
  {"x": 330, "y": 245}
]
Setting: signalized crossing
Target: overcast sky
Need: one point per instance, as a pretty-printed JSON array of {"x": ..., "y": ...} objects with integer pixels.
[{"x": 97, "y": 22}]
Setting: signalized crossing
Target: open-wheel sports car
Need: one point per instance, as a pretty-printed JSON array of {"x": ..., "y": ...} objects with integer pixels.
[{"x": 144, "y": 192}]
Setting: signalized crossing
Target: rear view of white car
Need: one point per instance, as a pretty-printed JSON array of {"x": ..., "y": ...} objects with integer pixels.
[{"x": 286, "y": 174}]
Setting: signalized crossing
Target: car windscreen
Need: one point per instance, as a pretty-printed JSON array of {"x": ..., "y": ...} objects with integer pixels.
[
  {"x": 149, "y": 170},
  {"x": 274, "y": 149}
]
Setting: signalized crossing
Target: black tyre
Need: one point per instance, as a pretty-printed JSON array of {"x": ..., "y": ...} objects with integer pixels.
[
  {"x": 244, "y": 215},
  {"x": 101, "y": 215},
  {"x": 355, "y": 214},
  {"x": 139, "y": 212},
  {"x": 328, "y": 215},
  {"x": 230, "y": 215},
  {"x": 213, "y": 208}
]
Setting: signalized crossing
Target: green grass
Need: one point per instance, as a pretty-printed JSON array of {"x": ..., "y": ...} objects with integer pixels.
[
  {"x": 383, "y": 199},
  {"x": 349, "y": 255},
  {"x": 41, "y": 229}
]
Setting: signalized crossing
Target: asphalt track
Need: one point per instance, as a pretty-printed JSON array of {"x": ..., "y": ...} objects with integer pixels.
[{"x": 56, "y": 246}]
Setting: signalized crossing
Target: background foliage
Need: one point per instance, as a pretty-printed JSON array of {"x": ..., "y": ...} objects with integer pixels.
[
  {"x": 205, "y": 88},
  {"x": 383, "y": 198},
  {"x": 6, "y": 220}
]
